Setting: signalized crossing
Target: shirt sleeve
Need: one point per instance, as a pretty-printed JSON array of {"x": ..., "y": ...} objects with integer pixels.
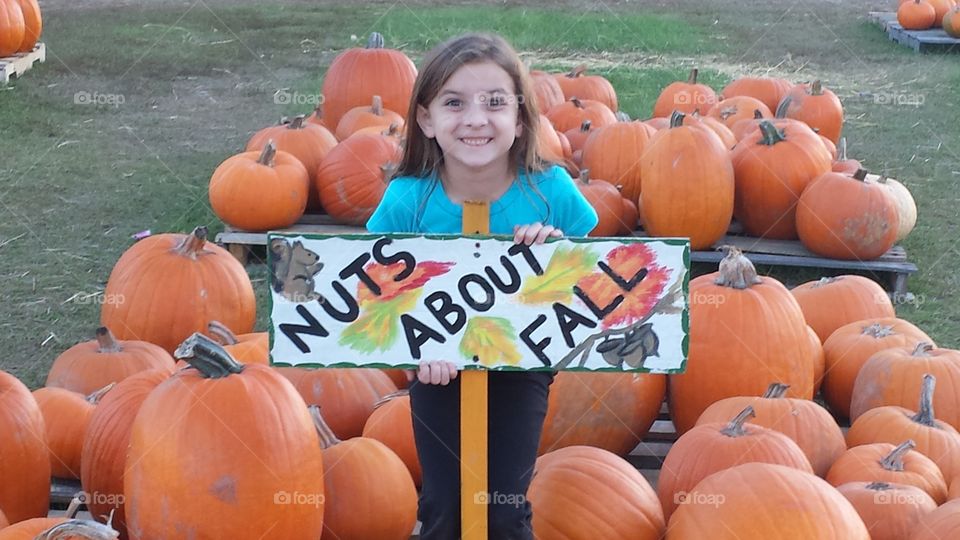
[
  {"x": 575, "y": 216},
  {"x": 390, "y": 216}
]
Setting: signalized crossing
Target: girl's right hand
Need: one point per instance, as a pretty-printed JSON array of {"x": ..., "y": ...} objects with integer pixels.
[{"x": 434, "y": 372}]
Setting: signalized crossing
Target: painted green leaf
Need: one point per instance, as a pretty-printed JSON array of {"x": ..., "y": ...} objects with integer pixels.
[
  {"x": 567, "y": 266},
  {"x": 378, "y": 326},
  {"x": 491, "y": 339}
]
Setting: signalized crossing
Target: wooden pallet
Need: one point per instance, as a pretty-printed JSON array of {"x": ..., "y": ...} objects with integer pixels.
[
  {"x": 16, "y": 65},
  {"x": 892, "y": 267},
  {"x": 933, "y": 40}
]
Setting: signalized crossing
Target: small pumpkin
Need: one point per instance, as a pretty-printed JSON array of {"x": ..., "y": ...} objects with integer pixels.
[
  {"x": 12, "y": 27},
  {"x": 831, "y": 302},
  {"x": 24, "y": 454},
  {"x": 353, "y": 176},
  {"x": 940, "y": 9},
  {"x": 733, "y": 109},
  {"x": 32, "y": 24},
  {"x": 571, "y": 114},
  {"x": 548, "y": 141},
  {"x": 685, "y": 96},
  {"x": 348, "y": 395},
  {"x": 769, "y": 90},
  {"x": 951, "y": 22},
  {"x": 613, "y": 153},
  {"x": 630, "y": 217},
  {"x": 66, "y": 415},
  {"x": 593, "y": 87},
  {"x": 903, "y": 200},
  {"x": 817, "y": 106},
  {"x": 246, "y": 348},
  {"x": 916, "y": 15},
  {"x": 577, "y": 138},
  {"x": 884, "y": 462},
  {"x": 547, "y": 91},
  {"x": 391, "y": 423},
  {"x": 606, "y": 200},
  {"x": 890, "y": 511},
  {"x": 373, "y": 115}
]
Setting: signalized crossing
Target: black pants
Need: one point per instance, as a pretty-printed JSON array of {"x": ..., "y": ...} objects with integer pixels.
[{"x": 517, "y": 405}]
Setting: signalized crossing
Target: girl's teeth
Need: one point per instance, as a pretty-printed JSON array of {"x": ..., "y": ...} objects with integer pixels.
[{"x": 476, "y": 142}]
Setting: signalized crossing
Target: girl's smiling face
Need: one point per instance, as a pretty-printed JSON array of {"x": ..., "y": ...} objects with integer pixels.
[{"x": 474, "y": 117}]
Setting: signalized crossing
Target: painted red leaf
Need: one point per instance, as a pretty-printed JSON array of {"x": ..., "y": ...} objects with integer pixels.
[
  {"x": 383, "y": 276},
  {"x": 626, "y": 261}
]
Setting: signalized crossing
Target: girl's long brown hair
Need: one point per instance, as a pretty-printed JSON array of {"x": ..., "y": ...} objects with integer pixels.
[{"x": 422, "y": 156}]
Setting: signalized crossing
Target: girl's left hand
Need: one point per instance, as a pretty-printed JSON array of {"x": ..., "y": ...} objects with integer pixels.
[{"x": 535, "y": 233}]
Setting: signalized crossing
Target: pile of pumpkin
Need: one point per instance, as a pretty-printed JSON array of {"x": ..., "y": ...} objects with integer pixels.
[
  {"x": 20, "y": 26},
  {"x": 927, "y": 14},
  {"x": 701, "y": 160}
]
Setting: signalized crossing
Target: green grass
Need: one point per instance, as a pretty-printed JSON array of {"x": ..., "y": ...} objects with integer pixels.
[{"x": 77, "y": 180}]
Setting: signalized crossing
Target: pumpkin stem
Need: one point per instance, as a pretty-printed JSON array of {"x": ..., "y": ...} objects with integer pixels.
[
  {"x": 577, "y": 71},
  {"x": 585, "y": 176},
  {"x": 757, "y": 115},
  {"x": 825, "y": 281},
  {"x": 97, "y": 395},
  {"x": 925, "y": 413},
  {"x": 106, "y": 343},
  {"x": 297, "y": 122},
  {"x": 816, "y": 88},
  {"x": 894, "y": 460},
  {"x": 860, "y": 175},
  {"x": 576, "y": 102},
  {"x": 782, "y": 107},
  {"x": 392, "y": 130},
  {"x": 878, "y": 486},
  {"x": 735, "y": 427},
  {"x": 269, "y": 152},
  {"x": 223, "y": 334},
  {"x": 676, "y": 119},
  {"x": 376, "y": 107},
  {"x": 79, "y": 528},
  {"x": 391, "y": 396},
  {"x": 318, "y": 111},
  {"x": 192, "y": 244},
  {"x": 842, "y": 150},
  {"x": 327, "y": 437},
  {"x": 208, "y": 356},
  {"x": 877, "y": 330},
  {"x": 692, "y": 79},
  {"x": 375, "y": 41},
  {"x": 776, "y": 390},
  {"x": 75, "y": 503},
  {"x": 622, "y": 116},
  {"x": 923, "y": 349},
  {"x": 585, "y": 126},
  {"x": 736, "y": 271},
  {"x": 771, "y": 135}
]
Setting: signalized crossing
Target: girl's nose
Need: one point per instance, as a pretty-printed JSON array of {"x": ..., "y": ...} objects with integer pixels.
[{"x": 475, "y": 115}]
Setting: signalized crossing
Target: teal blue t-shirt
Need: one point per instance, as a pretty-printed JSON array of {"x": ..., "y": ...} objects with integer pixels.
[{"x": 420, "y": 205}]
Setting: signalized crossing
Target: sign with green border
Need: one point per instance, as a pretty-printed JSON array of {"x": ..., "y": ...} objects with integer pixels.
[{"x": 481, "y": 302}]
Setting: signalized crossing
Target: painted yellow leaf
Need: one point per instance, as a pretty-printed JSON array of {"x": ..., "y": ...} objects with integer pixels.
[
  {"x": 567, "y": 266},
  {"x": 378, "y": 326},
  {"x": 492, "y": 340}
]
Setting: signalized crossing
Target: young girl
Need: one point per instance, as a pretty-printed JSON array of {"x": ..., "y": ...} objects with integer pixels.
[{"x": 472, "y": 136}]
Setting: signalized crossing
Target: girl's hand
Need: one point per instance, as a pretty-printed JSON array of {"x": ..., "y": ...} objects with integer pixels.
[
  {"x": 535, "y": 233},
  {"x": 434, "y": 372}
]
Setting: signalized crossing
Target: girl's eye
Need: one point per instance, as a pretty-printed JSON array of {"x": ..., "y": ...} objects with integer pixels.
[
  {"x": 452, "y": 103},
  {"x": 496, "y": 101}
]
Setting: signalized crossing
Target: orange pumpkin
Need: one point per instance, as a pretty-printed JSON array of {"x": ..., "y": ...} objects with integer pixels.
[
  {"x": 32, "y": 24},
  {"x": 658, "y": 123},
  {"x": 917, "y": 15},
  {"x": 942, "y": 523},
  {"x": 593, "y": 87},
  {"x": 373, "y": 115},
  {"x": 940, "y": 9},
  {"x": 613, "y": 153},
  {"x": 903, "y": 200},
  {"x": 763, "y": 500},
  {"x": 234, "y": 441},
  {"x": 844, "y": 217},
  {"x": 893, "y": 377},
  {"x": 158, "y": 276},
  {"x": 884, "y": 462},
  {"x": 605, "y": 485},
  {"x": 832, "y": 302},
  {"x": 715, "y": 446},
  {"x": 103, "y": 458},
  {"x": 688, "y": 184},
  {"x": 66, "y": 415},
  {"x": 890, "y": 511},
  {"x": 252, "y": 348},
  {"x": 353, "y": 176},
  {"x": 358, "y": 74},
  {"x": 951, "y": 22},
  {"x": 731, "y": 332},
  {"x": 773, "y": 166},
  {"x": 392, "y": 424},
  {"x": 12, "y": 27},
  {"x": 685, "y": 96},
  {"x": 548, "y": 141},
  {"x": 850, "y": 346},
  {"x": 818, "y": 107},
  {"x": 316, "y": 117},
  {"x": 577, "y": 138},
  {"x": 24, "y": 456},
  {"x": 819, "y": 359},
  {"x": 769, "y": 90},
  {"x": 29, "y": 529},
  {"x": 934, "y": 438},
  {"x": 347, "y": 396},
  {"x": 606, "y": 200},
  {"x": 805, "y": 422},
  {"x": 91, "y": 365},
  {"x": 630, "y": 217},
  {"x": 613, "y": 411},
  {"x": 547, "y": 91},
  {"x": 718, "y": 127},
  {"x": 571, "y": 114},
  {"x": 733, "y": 109}
]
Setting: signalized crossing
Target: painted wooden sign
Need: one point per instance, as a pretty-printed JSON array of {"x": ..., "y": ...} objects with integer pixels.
[{"x": 394, "y": 300}]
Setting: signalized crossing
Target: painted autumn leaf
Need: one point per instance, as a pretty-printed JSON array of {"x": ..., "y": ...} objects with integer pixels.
[
  {"x": 377, "y": 329},
  {"x": 492, "y": 340},
  {"x": 626, "y": 261},
  {"x": 567, "y": 266},
  {"x": 383, "y": 276}
]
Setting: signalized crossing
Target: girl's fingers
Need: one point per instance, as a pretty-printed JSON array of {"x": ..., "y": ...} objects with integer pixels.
[
  {"x": 531, "y": 233},
  {"x": 519, "y": 232},
  {"x": 437, "y": 372},
  {"x": 544, "y": 233}
]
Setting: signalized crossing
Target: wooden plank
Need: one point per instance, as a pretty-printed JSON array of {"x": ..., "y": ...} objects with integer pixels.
[
  {"x": 18, "y": 64},
  {"x": 934, "y": 39}
]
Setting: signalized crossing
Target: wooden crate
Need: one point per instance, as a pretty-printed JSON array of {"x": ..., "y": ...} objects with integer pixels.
[
  {"x": 16, "y": 65},
  {"x": 933, "y": 40},
  {"x": 891, "y": 269}
]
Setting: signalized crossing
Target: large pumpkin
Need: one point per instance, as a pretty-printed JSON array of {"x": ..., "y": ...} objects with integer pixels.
[
  {"x": 24, "y": 457},
  {"x": 769, "y": 90},
  {"x": 353, "y": 176},
  {"x": 223, "y": 451},
  {"x": 739, "y": 320},
  {"x": 890, "y": 511},
  {"x": 572, "y": 113},
  {"x": 373, "y": 115},
  {"x": 611, "y": 499},
  {"x": 12, "y": 29},
  {"x": 613, "y": 153},
  {"x": 763, "y": 500},
  {"x": 715, "y": 446},
  {"x": 612, "y": 411},
  {"x": 547, "y": 91},
  {"x": 363, "y": 478},
  {"x": 685, "y": 96},
  {"x": 347, "y": 396},
  {"x": 803, "y": 421},
  {"x": 358, "y": 74},
  {"x": 688, "y": 184},
  {"x": 818, "y": 107},
  {"x": 103, "y": 459},
  {"x": 605, "y": 200},
  {"x": 576, "y": 84},
  {"x": 916, "y": 15},
  {"x": 903, "y": 200},
  {"x": 32, "y": 24},
  {"x": 773, "y": 166},
  {"x": 884, "y": 462},
  {"x": 832, "y": 302},
  {"x": 91, "y": 365},
  {"x": 391, "y": 423},
  {"x": 733, "y": 109},
  {"x": 66, "y": 415}
]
